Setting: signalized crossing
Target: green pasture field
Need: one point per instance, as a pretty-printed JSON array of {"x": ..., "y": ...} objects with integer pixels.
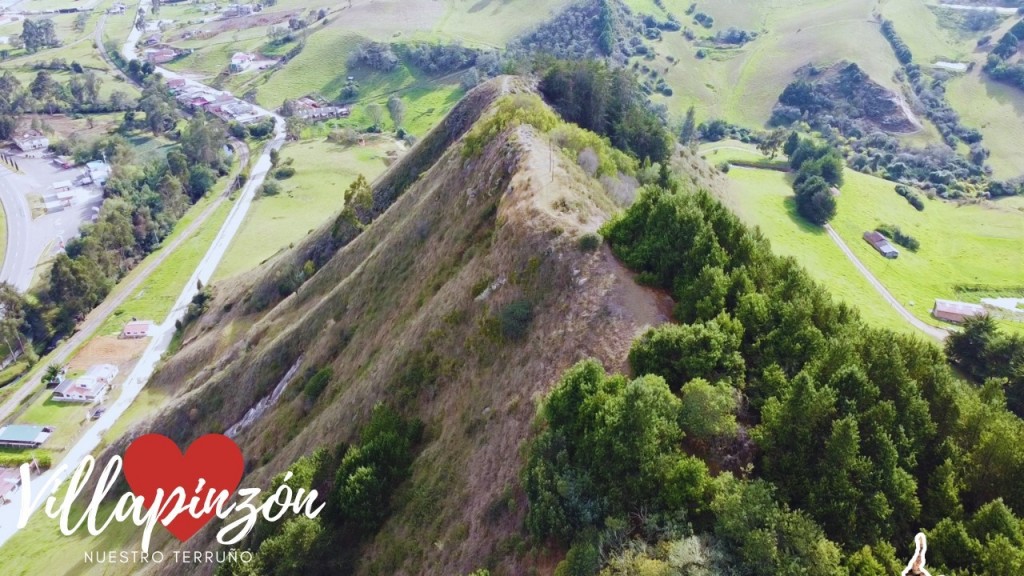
[
  {"x": 764, "y": 198},
  {"x": 961, "y": 244},
  {"x": 307, "y": 199}
]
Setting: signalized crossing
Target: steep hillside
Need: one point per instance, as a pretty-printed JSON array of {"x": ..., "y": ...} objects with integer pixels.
[{"x": 415, "y": 312}]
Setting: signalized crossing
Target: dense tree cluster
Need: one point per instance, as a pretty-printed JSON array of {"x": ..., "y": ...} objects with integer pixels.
[
  {"x": 46, "y": 93},
  {"x": 900, "y": 47},
  {"x": 38, "y": 35},
  {"x": 437, "y": 58},
  {"x": 600, "y": 29},
  {"x": 863, "y": 435},
  {"x": 609, "y": 102},
  {"x": 819, "y": 168},
  {"x": 375, "y": 56},
  {"x": 983, "y": 352},
  {"x": 143, "y": 203},
  {"x": 999, "y": 65},
  {"x": 357, "y": 481}
]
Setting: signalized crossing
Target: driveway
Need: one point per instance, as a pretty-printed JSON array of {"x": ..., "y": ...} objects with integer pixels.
[{"x": 936, "y": 333}]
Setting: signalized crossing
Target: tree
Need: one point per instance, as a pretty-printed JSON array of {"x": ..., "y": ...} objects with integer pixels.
[
  {"x": 770, "y": 142},
  {"x": 203, "y": 141},
  {"x": 681, "y": 353},
  {"x": 52, "y": 372},
  {"x": 38, "y": 34},
  {"x": 12, "y": 317},
  {"x": 376, "y": 114},
  {"x": 708, "y": 410},
  {"x": 791, "y": 144},
  {"x": 688, "y": 132},
  {"x": 396, "y": 108},
  {"x": 814, "y": 200}
]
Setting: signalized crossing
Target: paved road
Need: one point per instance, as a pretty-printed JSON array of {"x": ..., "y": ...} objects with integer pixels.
[
  {"x": 934, "y": 332},
  {"x": 19, "y": 223},
  {"x": 163, "y": 333},
  {"x": 29, "y": 239}
]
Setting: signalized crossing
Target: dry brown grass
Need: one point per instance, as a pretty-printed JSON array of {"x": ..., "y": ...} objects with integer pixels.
[{"x": 406, "y": 287}]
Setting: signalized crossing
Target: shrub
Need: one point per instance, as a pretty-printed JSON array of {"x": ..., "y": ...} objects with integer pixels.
[
  {"x": 893, "y": 232},
  {"x": 317, "y": 383},
  {"x": 590, "y": 242},
  {"x": 914, "y": 199},
  {"x": 515, "y": 319},
  {"x": 284, "y": 172},
  {"x": 270, "y": 188}
]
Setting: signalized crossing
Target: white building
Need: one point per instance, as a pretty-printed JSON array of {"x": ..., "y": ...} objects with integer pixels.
[
  {"x": 31, "y": 140},
  {"x": 99, "y": 171},
  {"x": 88, "y": 388}
]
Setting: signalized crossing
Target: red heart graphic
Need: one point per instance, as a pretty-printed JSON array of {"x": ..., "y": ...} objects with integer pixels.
[{"x": 153, "y": 462}]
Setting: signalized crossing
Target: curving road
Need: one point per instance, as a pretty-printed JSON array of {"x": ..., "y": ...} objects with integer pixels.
[
  {"x": 18, "y": 263},
  {"x": 935, "y": 332}
]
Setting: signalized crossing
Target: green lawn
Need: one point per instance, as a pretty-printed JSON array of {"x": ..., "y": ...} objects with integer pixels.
[
  {"x": 40, "y": 547},
  {"x": 67, "y": 418},
  {"x": 964, "y": 244},
  {"x": 314, "y": 194},
  {"x": 960, "y": 244}
]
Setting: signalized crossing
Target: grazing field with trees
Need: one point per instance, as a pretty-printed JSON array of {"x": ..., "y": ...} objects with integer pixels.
[{"x": 950, "y": 234}]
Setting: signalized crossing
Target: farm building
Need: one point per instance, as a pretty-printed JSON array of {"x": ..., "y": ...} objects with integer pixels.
[
  {"x": 234, "y": 10},
  {"x": 176, "y": 84},
  {"x": 136, "y": 329},
  {"x": 881, "y": 243},
  {"x": 31, "y": 140},
  {"x": 958, "y": 312},
  {"x": 161, "y": 56},
  {"x": 24, "y": 436},
  {"x": 88, "y": 388}
]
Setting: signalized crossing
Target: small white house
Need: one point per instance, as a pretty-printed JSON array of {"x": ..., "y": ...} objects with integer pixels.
[
  {"x": 88, "y": 388},
  {"x": 31, "y": 140}
]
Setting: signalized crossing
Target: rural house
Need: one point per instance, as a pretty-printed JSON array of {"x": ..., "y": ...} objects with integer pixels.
[
  {"x": 136, "y": 329},
  {"x": 957, "y": 312},
  {"x": 240, "y": 62},
  {"x": 88, "y": 388},
  {"x": 31, "y": 140},
  {"x": 24, "y": 436},
  {"x": 161, "y": 56},
  {"x": 881, "y": 243}
]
